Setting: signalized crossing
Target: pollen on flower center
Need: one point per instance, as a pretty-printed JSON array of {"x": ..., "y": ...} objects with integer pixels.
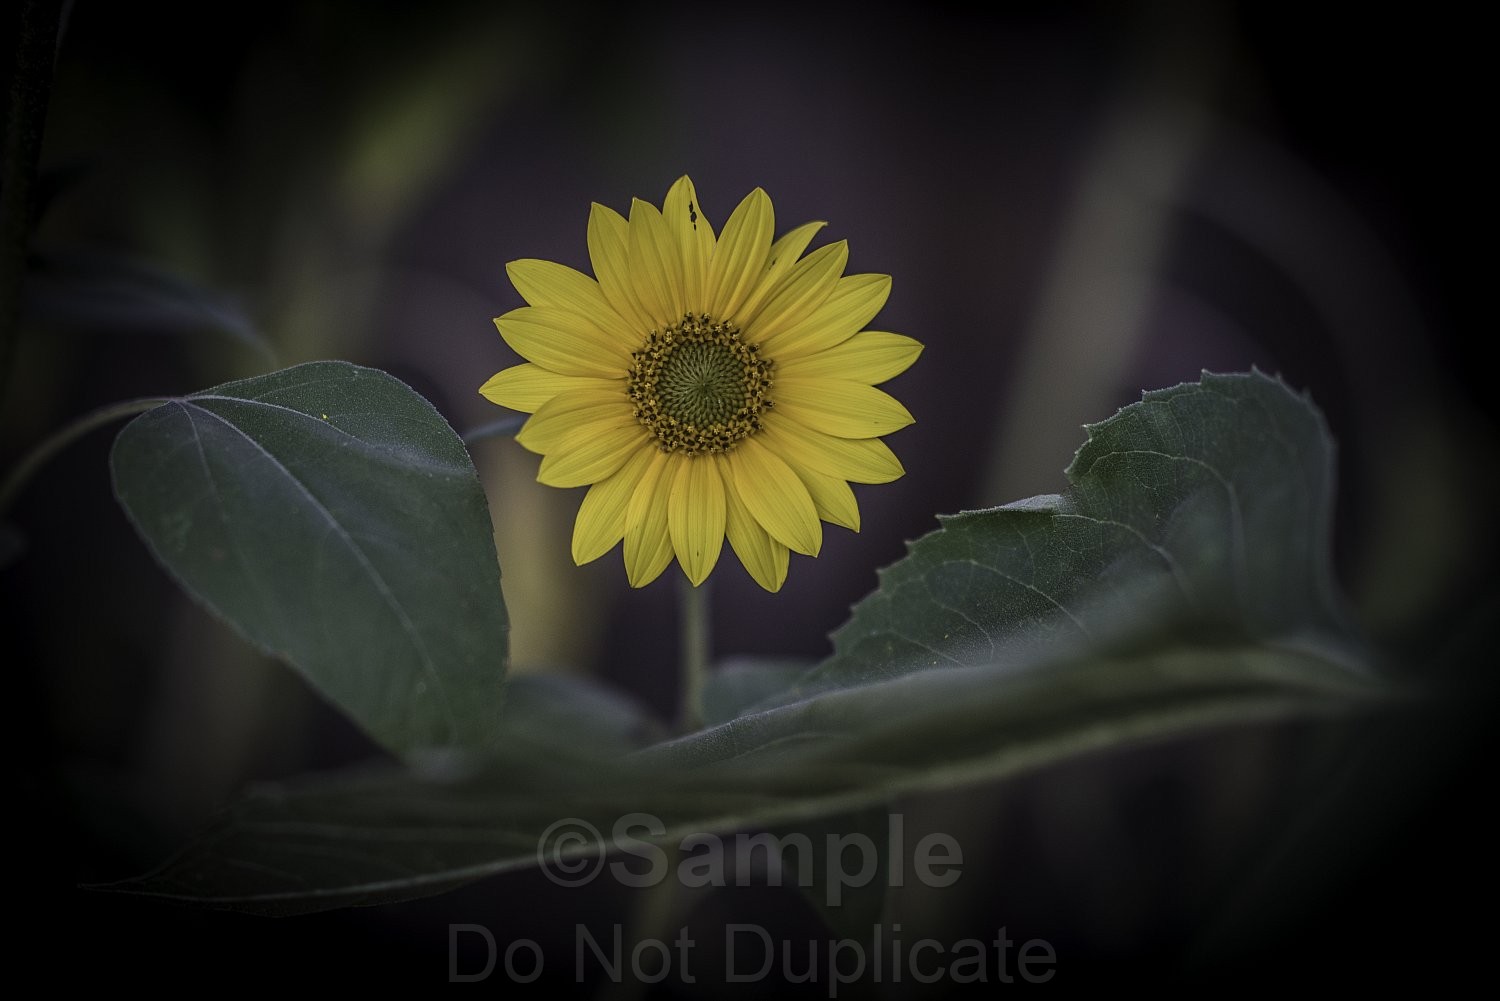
[{"x": 697, "y": 387}]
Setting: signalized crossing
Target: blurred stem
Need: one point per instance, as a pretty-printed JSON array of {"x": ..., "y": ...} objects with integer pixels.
[
  {"x": 655, "y": 916},
  {"x": 32, "y": 26},
  {"x": 505, "y": 427},
  {"x": 1088, "y": 323},
  {"x": 695, "y": 640},
  {"x": 65, "y": 436}
]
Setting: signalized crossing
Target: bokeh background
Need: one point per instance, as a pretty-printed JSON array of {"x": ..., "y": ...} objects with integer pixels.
[{"x": 1077, "y": 202}]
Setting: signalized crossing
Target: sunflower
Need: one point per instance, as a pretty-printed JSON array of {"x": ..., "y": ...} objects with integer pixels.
[{"x": 704, "y": 387}]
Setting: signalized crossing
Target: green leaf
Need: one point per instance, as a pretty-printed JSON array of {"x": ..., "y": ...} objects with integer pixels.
[
  {"x": 330, "y": 515},
  {"x": 1182, "y": 583},
  {"x": 385, "y": 835},
  {"x": 1204, "y": 511}
]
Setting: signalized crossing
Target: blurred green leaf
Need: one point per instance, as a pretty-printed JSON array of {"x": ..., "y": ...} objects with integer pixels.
[
  {"x": 505, "y": 427},
  {"x": 851, "y": 869},
  {"x": 1182, "y": 583},
  {"x": 574, "y": 712},
  {"x": 107, "y": 293},
  {"x": 331, "y": 516},
  {"x": 735, "y": 685}
]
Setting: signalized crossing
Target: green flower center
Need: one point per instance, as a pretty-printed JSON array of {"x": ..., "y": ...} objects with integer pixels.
[{"x": 697, "y": 387}]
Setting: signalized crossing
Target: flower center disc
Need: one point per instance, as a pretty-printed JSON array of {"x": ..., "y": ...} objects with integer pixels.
[{"x": 697, "y": 387}]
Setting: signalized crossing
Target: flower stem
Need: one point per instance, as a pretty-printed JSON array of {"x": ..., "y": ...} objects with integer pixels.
[
  {"x": 65, "y": 436},
  {"x": 694, "y": 651}
]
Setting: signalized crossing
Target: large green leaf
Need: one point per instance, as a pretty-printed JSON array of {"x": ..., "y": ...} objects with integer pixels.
[
  {"x": 330, "y": 515},
  {"x": 1203, "y": 510},
  {"x": 1182, "y": 583}
]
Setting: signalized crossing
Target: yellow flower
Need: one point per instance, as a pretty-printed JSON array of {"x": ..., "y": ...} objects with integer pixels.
[{"x": 704, "y": 387}]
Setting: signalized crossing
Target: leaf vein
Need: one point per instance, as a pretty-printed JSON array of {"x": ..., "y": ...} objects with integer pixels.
[{"x": 407, "y": 626}]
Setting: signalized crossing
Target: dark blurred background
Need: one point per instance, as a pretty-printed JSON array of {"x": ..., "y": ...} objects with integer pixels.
[{"x": 1077, "y": 202}]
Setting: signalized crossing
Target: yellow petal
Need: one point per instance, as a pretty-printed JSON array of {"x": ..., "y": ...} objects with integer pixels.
[
  {"x": 804, "y": 289},
  {"x": 655, "y": 265},
  {"x": 871, "y": 357},
  {"x": 526, "y": 387},
  {"x": 858, "y": 460},
  {"x": 695, "y": 517},
  {"x": 740, "y": 256},
  {"x": 854, "y": 302},
  {"x": 832, "y": 497},
  {"x": 840, "y": 408},
  {"x": 593, "y": 459},
  {"x": 695, "y": 240},
  {"x": 776, "y": 497},
  {"x": 565, "y": 343},
  {"x": 601, "y": 517},
  {"x": 789, "y": 247},
  {"x": 831, "y": 494},
  {"x": 557, "y": 286},
  {"x": 783, "y": 257},
  {"x": 648, "y": 544},
  {"x": 764, "y": 557},
  {"x": 576, "y": 417},
  {"x": 609, "y": 242}
]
